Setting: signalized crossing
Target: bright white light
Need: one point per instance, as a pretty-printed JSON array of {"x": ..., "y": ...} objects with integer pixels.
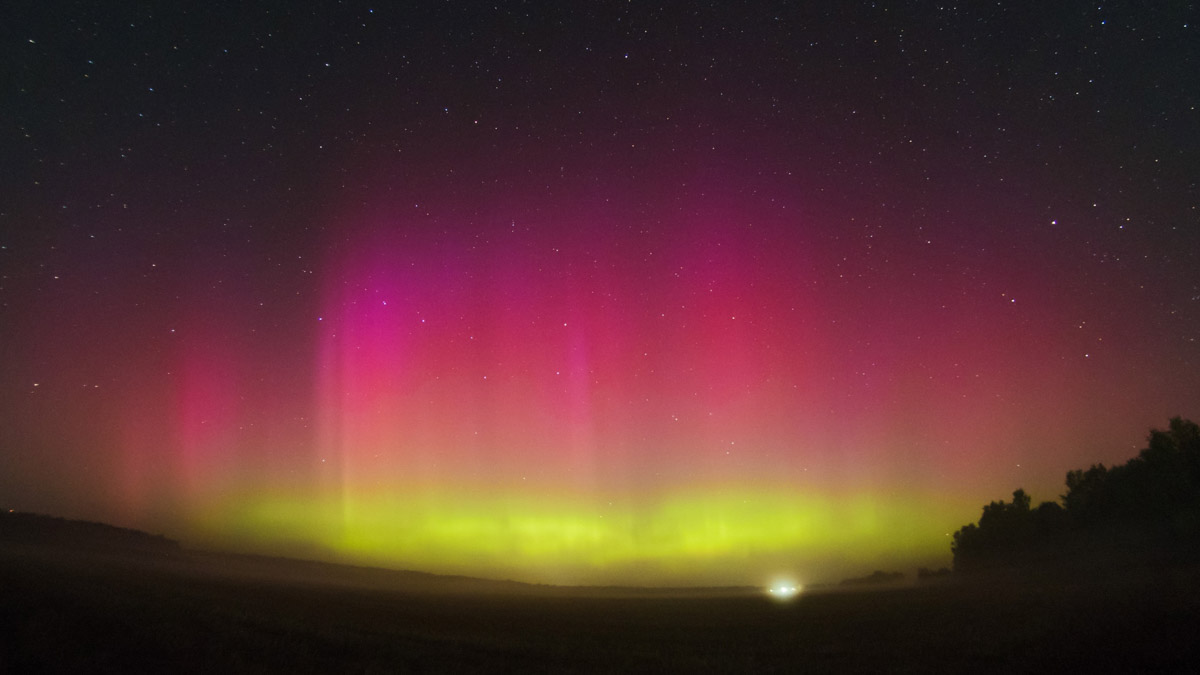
[{"x": 784, "y": 591}]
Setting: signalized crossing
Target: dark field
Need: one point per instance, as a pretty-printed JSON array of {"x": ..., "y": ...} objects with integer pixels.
[{"x": 80, "y": 611}]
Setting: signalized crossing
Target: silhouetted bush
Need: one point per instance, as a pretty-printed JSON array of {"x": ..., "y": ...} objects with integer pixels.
[
  {"x": 876, "y": 577},
  {"x": 926, "y": 574}
]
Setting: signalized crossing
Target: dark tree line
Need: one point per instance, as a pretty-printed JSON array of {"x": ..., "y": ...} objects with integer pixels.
[{"x": 1149, "y": 506}]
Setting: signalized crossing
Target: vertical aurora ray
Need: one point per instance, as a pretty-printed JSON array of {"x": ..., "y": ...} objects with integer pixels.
[{"x": 210, "y": 405}]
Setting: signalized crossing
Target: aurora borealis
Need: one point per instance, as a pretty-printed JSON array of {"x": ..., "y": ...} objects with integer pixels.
[{"x": 624, "y": 294}]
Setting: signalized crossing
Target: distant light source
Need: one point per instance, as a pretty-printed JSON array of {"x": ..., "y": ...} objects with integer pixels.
[{"x": 784, "y": 591}]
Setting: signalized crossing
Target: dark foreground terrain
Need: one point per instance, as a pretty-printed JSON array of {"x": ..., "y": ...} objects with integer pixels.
[{"x": 161, "y": 609}]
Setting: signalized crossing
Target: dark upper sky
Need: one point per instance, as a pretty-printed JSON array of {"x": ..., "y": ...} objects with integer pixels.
[{"x": 902, "y": 256}]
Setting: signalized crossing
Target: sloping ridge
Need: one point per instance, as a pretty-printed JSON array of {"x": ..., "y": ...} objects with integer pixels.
[{"x": 32, "y": 528}]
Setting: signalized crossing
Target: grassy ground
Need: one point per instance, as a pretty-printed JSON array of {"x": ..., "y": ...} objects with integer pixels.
[{"x": 80, "y": 612}]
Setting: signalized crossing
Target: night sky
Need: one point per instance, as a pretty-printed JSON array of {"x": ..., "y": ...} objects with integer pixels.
[{"x": 590, "y": 292}]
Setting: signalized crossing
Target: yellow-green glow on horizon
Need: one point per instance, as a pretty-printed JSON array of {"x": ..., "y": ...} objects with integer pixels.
[{"x": 729, "y": 536}]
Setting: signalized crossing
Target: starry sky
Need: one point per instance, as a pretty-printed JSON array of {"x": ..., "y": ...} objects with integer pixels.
[{"x": 612, "y": 292}]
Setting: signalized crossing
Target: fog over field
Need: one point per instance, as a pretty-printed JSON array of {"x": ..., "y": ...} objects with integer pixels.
[{"x": 149, "y": 606}]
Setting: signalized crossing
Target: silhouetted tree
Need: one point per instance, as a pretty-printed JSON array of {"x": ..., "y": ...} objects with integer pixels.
[
  {"x": 1085, "y": 498},
  {"x": 1002, "y": 528},
  {"x": 1050, "y": 519},
  {"x": 1155, "y": 496},
  {"x": 926, "y": 574},
  {"x": 1162, "y": 481}
]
